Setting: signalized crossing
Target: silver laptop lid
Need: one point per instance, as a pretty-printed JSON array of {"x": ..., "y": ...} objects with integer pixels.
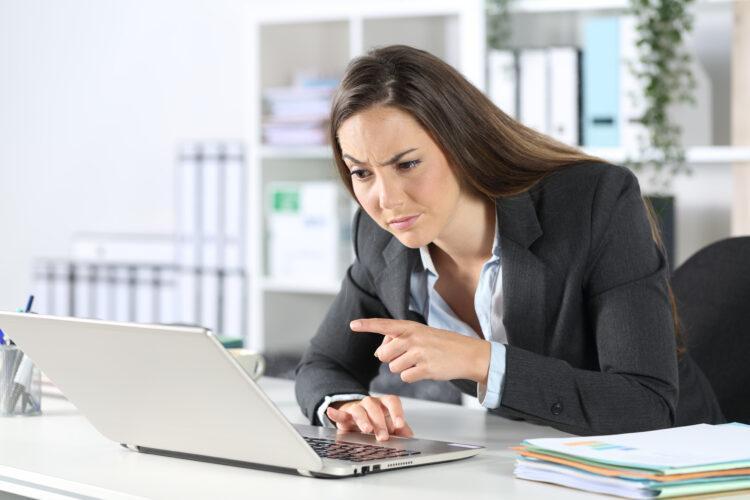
[{"x": 169, "y": 388}]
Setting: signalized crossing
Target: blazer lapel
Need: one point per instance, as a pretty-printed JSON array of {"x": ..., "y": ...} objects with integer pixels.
[
  {"x": 392, "y": 282},
  {"x": 524, "y": 311}
]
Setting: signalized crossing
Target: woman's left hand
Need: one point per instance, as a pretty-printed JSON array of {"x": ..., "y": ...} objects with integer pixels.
[{"x": 420, "y": 352}]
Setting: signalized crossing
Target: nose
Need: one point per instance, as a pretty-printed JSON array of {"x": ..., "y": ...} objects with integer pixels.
[{"x": 390, "y": 194}]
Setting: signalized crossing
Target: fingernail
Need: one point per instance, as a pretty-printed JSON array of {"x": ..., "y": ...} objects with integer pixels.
[
  {"x": 376, "y": 353},
  {"x": 355, "y": 324},
  {"x": 399, "y": 422},
  {"x": 382, "y": 436}
]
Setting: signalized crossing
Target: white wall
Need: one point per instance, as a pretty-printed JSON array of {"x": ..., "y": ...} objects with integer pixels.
[{"x": 94, "y": 97}]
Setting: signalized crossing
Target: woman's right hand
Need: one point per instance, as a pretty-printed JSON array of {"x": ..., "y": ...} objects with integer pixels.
[{"x": 382, "y": 416}]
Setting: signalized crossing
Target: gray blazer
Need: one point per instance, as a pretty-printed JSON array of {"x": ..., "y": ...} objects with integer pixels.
[{"x": 591, "y": 343}]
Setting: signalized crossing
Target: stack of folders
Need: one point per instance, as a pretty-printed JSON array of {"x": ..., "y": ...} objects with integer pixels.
[
  {"x": 691, "y": 460},
  {"x": 297, "y": 115}
]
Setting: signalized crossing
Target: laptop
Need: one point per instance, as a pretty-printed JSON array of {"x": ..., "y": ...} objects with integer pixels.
[{"x": 176, "y": 391}]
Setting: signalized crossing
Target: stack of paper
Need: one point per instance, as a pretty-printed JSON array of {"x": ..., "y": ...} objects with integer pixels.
[
  {"x": 297, "y": 115},
  {"x": 689, "y": 460},
  {"x": 307, "y": 239}
]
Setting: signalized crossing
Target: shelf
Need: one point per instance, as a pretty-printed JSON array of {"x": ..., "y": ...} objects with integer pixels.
[
  {"x": 707, "y": 155},
  {"x": 297, "y": 152},
  {"x": 558, "y": 6},
  {"x": 698, "y": 155},
  {"x": 289, "y": 286}
]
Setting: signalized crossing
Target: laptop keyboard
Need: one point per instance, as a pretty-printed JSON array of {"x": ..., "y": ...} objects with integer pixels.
[{"x": 355, "y": 452}]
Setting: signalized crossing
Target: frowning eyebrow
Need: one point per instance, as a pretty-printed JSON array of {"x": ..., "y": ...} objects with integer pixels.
[{"x": 389, "y": 162}]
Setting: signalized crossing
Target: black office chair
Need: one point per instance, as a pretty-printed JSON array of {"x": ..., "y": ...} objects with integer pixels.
[{"x": 712, "y": 289}]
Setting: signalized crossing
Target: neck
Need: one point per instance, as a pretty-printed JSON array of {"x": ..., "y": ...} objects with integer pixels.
[{"x": 469, "y": 235}]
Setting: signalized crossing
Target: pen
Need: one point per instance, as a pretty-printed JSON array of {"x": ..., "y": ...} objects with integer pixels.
[{"x": 29, "y": 303}]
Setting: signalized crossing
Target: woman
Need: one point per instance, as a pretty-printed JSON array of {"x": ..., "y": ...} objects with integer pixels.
[{"x": 487, "y": 254}]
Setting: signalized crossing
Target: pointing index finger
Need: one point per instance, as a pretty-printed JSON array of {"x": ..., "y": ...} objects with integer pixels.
[{"x": 389, "y": 327}]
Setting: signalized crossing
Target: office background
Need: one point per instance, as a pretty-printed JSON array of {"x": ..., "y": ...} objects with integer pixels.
[{"x": 99, "y": 100}]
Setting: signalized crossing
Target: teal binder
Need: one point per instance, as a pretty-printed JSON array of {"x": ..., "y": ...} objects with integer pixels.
[{"x": 601, "y": 82}]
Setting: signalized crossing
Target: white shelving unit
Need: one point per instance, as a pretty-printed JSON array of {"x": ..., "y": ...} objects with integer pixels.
[{"x": 324, "y": 35}]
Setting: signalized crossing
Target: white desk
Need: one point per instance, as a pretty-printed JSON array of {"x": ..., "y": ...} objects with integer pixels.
[{"x": 60, "y": 455}]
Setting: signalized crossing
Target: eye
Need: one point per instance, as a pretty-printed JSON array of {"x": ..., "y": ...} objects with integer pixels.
[
  {"x": 360, "y": 173},
  {"x": 408, "y": 165}
]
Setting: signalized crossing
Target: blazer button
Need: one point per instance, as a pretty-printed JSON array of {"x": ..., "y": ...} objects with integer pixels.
[{"x": 557, "y": 408}]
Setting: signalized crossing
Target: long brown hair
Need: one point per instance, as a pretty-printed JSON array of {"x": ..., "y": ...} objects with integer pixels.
[{"x": 492, "y": 153}]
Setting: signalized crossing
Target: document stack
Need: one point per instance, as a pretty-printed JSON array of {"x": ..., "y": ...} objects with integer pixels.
[
  {"x": 690, "y": 460},
  {"x": 308, "y": 224},
  {"x": 298, "y": 115}
]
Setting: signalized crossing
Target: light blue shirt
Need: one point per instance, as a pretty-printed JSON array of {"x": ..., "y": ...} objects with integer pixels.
[
  {"x": 488, "y": 304},
  {"x": 425, "y": 300}
]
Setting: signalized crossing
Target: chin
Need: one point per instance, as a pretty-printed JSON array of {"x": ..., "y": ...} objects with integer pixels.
[{"x": 410, "y": 240}]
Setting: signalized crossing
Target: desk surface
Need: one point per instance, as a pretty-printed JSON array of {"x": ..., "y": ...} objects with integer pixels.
[{"x": 60, "y": 455}]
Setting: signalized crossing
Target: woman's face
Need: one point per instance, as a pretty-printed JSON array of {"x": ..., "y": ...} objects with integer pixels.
[{"x": 399, "y": 175}]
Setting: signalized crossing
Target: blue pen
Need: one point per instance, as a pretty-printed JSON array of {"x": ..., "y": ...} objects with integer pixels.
[
  {"x": 29, "y": 303},
  {"x": 2, "y": 338}
]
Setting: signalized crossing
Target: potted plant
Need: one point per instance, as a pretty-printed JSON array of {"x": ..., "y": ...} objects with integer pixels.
[
  {"x": 498, "y": 24},
  {"x": 663, "y": 69}
]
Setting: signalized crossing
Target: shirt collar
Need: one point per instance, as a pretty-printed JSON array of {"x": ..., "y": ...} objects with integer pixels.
[{"x": 428, "y": 265}]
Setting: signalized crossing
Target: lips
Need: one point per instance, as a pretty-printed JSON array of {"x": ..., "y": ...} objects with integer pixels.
[{"x": 403, "y": 223}]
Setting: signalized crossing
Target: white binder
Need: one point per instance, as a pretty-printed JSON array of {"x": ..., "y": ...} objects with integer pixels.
[
  {"x": 563, "y": 81},
  {"x": 503, "y": 84},
  {"x": 533, "y": 106}
]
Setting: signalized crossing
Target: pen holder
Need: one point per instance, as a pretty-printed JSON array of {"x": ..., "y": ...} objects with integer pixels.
[{"x": 20, "y": 383}]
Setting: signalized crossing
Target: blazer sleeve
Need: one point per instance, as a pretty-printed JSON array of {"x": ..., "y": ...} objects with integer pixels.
[
  {"x": 629, "y": 314},
  {"x": 338, "y": 361}
]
